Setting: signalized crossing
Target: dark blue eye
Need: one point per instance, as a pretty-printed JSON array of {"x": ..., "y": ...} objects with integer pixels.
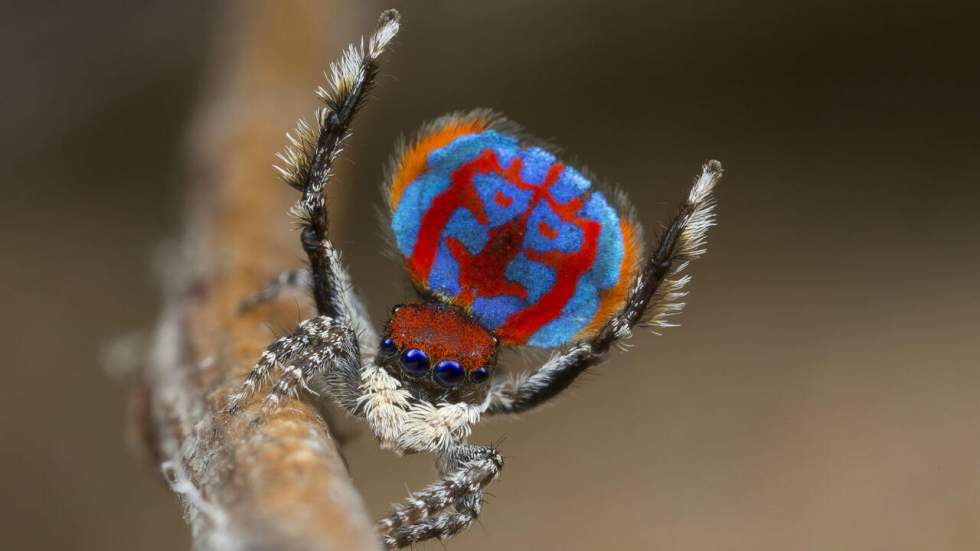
[
  {"x": 480, "y": 374},
  {"x": 388, "y": 345},
  {"x": 449, "y": 373},
  {"x": 415, "y": 362}
]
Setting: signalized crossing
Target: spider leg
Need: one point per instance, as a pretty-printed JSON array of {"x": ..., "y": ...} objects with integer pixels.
[
  {"x": 285, "y": 281},
  {"x": 309, "y": 161},
  {"x": 309, "y": 165},
  {"x": 321, "y": 348},
  {"x": 466, "y": 469},
  {"x": 343, "y": 299},
  {"x": 272, "y": 355},
  {"x": 440, "y": 526},
  {"x": 652, "y": 299}
]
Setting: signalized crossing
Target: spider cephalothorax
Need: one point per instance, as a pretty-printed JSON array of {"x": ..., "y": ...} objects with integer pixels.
[
  {"x": 439, "y": 352},
  {"x": 507, "y": 247}
]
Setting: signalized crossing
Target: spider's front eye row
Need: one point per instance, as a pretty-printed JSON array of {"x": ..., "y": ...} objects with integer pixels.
[{"x": 415, "y": 363}]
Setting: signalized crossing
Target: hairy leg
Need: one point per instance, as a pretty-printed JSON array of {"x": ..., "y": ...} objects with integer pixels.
[
  {"x": 466, "y": 469},
  {"x": 652, "y": 300},
  {"x": 309, "y": 160},
  {"x": 320, "y": 347}
]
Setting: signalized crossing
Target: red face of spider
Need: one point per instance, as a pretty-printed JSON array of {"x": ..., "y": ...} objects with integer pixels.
[{"x": 439, "y": 346}]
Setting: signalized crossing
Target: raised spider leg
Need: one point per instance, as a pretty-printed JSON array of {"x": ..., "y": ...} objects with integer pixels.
[
  {"x": 466, "y": 469},
  {"x": 652, "y": 300},
  {"x": 309, "y": 165}
]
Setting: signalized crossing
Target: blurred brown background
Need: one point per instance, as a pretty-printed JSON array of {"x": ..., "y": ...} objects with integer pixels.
[{"x": 821, "y": 393}]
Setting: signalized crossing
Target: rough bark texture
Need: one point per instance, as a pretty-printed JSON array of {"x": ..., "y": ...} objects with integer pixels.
[{"x": 248, "y": 481}]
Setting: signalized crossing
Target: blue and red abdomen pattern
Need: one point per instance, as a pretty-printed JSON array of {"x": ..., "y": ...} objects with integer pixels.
[{"x": 514, "y": 236}]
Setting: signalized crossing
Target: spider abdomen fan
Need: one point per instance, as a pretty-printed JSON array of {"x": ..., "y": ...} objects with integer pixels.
[{"x": 508, "y": 233}]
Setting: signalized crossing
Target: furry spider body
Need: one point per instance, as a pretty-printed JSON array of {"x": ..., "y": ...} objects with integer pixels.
[{"x": 507, "y": 246}]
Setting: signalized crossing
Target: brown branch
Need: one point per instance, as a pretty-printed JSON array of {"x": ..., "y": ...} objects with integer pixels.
[{"x": 248, "y": 481}]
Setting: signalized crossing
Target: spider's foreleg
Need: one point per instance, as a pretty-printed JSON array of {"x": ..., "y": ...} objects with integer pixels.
[
  {"x": 282, "y": 348},
  {"x": 652, "y": 300},
  {"x": 309, "y": 165},
  {"x": 466, "y": 469},
  {"x": 321, "y": 348},
  {"x": 309, "y": 160}
]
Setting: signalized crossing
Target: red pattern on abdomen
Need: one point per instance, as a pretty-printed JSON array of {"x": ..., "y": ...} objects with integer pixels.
[
  {"x": 482, "y": 274},
  {"x": 568, "y": 269}
]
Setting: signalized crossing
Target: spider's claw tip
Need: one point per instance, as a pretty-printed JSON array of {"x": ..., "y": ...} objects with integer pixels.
[{"x": 390, "y": 14}]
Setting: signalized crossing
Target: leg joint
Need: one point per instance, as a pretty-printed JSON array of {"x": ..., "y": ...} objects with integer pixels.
[{"x": 309, "y": 239}]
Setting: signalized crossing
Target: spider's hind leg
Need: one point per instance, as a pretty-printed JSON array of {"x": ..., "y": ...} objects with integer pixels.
[{"x": 466, "y": 469}]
